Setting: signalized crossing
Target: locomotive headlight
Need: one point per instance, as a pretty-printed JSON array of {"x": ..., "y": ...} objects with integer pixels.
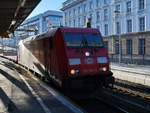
[
  {"x": 87, "y": 53},
  {"x": 72, "y": 71},
  {"x": 104, "y": 68}
]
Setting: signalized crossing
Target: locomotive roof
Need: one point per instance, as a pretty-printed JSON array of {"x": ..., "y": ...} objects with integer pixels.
[
  {"x": 40, "y": 36},
  {"x": 52, "y": 32}
]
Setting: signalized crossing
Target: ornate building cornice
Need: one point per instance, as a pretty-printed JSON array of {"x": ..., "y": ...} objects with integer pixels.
[{"x": 67, "y": 5}]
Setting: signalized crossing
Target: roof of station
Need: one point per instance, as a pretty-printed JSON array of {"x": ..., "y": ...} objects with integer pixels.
[{"x": 13, "y": 13}]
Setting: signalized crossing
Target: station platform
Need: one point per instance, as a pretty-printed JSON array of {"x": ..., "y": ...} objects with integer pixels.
[
  {"x": 143, "y": 69},
  {"x": 27, "y": 94},
  {"x": 134, "y": 73}
]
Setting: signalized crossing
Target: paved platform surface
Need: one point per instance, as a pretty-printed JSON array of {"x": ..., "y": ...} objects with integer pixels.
[
  {"x": 142, "y": 69},
  {"x": 24, "y": 94},
  {"x": 134, "y": 73}
]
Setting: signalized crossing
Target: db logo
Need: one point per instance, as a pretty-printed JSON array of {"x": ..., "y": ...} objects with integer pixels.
[{"x": 89, "y": 60}]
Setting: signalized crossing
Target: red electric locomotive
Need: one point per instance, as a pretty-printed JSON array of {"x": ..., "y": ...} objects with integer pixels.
[{"x": 72, "y": 57}]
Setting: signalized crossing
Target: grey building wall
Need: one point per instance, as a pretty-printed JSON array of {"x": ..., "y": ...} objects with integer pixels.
[{"x": 41, "y": 22}]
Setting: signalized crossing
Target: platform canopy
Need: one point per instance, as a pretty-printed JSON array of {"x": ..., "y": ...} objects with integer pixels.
[{"x": 13, "y": 13}]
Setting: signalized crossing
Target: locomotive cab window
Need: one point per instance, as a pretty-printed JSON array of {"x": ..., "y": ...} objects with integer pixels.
[{"x": 83, "y": 40}]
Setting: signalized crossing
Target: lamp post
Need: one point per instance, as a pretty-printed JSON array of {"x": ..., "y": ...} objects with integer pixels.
[
  {"x": 120, "y": 49},
  {"x": 120, "y": 39}
]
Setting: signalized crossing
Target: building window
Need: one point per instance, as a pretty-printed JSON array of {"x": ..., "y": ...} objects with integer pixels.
[
  {"x": 97, "y": 3},
  {"x": 105, "y": 14},
  {"x": 129, "y": 26},
  {"x": 79, "y": 22},
  {"x": 74, "y": 22},
  {"x": 129, "y": 7},
  {"x": 129, "y": 47},
  {"x": 78, "y": 10},
  {"x": 65, "y": 23},
  {"x": 84, "y": 8},
  {"x": 98, "y": 27},
  {"x": 55, "y": 18},
  {"x": 141, "y": 4},
  {"x": 91, "y": 16},
  {"x": 118, "y": 28},
  {"x": 105, "y": 1},
  {"x": 106, "y": 45},
  {"x": 106, "y": 29},
  {"x": 74, "y": 12},
  {"x": 69, "y": 13},
  {"x": 141, "y": 46},
  {"x": 98, "y": 17},
  {"x": 84, "y": 20},
  {"x": 65, "y": 19},
  {"x": 90, "y": 5},
  {"x": 118, "y": 8},
  {"x": 117, "y": 46},
  {"x": 142, "y": 23},
  {"x": 69, "y": 22}
]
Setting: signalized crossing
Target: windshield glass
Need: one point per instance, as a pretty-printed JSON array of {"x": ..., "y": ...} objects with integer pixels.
[{"x": 83, "y": 40}]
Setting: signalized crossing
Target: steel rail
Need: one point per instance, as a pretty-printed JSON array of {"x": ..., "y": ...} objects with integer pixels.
[{"x": 123, "y": 105}]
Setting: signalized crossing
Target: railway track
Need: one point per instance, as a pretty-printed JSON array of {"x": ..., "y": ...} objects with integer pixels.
[
  {"x": 117, "y": 100},
  {"x": 124, "y": 98},
  {"x": 94, "y": 105},
  {"x": 133, "y": 88},
  {"x": 127, "y": 96}
]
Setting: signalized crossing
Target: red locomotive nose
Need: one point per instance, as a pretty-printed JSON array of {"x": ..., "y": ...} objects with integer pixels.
[{"x": 86, "y": 53}]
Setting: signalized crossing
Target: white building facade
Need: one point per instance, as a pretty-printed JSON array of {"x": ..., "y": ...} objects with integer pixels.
[{"x": 110, "y": 16}]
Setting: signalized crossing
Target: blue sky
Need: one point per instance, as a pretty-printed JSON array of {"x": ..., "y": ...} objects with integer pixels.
[{"x": 45, "y": 5}]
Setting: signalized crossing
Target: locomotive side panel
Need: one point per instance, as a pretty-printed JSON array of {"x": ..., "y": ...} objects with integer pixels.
[
  {"x": 31, "y": 55},
  {"x": 39, "y": 55},
  {"x": 51, "y": 59},
  {"x": 55, "y": 57},
  {"x": 61, "y": 54}
]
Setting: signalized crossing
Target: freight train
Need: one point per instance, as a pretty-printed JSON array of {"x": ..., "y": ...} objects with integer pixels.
[{"x": 70, "y": 57}]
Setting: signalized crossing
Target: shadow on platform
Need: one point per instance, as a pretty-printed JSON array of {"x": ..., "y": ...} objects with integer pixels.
[
  {"x": 16, "y": 82},
  {"x": 9, "y": 105}
]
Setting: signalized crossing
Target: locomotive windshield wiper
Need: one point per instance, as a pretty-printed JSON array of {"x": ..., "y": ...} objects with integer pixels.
[{"x": 84, "y": 42}]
